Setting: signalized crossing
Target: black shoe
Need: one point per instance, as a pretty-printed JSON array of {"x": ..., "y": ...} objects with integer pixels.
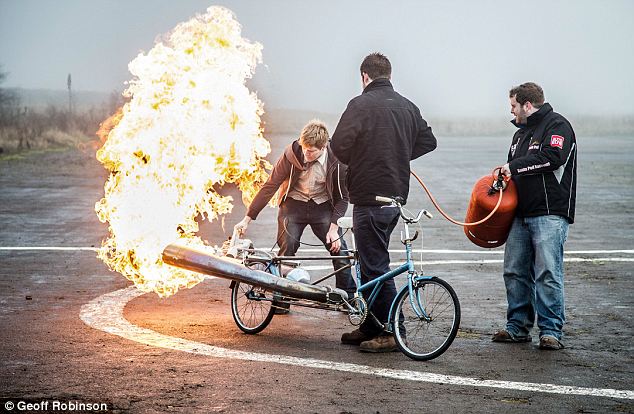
[
  {"x": 355, "y": 337},
  {"x": 505, "y": 336}
]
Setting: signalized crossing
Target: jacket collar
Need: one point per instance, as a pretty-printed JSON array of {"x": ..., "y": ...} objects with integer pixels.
[
  {"x": 378, "y": 83},
  {"x": 293, "y": 153},
  {"x": 536, "y": 117}
]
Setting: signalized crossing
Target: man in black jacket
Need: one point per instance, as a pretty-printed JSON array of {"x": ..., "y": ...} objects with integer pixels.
[
  {"x": 542, "y": 161},
  {"x": 379, "y": 133}
]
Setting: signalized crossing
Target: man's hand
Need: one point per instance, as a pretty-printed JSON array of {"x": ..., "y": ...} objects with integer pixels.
[
  {"x": 332, "y": 237},
  {"x": 241, "y": 227},
  {"x": 505, "y": 170}
]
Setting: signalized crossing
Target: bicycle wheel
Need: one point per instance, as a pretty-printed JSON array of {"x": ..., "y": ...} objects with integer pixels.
[
  {"x": 251, "y": 307},
  {"x": 424, "y": 338}
]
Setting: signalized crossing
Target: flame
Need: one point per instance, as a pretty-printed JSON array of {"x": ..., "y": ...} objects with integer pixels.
[
  {"x": 108, "y": 125},
  {"x": 190, "y": 126}
]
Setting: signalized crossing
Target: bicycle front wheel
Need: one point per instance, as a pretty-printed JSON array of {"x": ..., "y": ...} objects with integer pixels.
[
  {"x": 251, "y": 307},
  {"x": 426, "y": 334}
]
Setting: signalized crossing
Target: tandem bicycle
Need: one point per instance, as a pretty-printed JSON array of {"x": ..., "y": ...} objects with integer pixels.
[{"x": 424, "y": 316}]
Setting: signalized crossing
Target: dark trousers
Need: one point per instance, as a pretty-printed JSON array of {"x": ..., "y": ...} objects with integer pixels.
[
  {"x": 292, "y": 219},
  {"x": 372, "y": 226}
]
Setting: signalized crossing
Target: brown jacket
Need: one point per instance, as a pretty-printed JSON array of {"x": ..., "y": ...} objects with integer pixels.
[{"x": 285, "y": 174}]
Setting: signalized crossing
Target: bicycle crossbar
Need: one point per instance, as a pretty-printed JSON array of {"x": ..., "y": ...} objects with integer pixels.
[
  {"x": 313, "y": 257},
  {"x": 389, "y": 275},
  {"x": 202, "y": 262}
]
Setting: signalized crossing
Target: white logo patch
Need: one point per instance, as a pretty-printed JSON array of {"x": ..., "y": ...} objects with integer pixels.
[{"x": 557, "y": 141}]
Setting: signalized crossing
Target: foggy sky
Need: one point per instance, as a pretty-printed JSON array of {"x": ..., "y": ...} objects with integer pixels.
[{"x": 452, "y": 58}]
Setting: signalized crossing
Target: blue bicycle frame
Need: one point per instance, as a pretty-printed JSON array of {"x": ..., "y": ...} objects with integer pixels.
[{"x": 377, "y": 284}]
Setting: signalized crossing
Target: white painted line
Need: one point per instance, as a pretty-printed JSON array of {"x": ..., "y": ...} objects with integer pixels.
[
  {"x": 52, "y": 248},
  {"x": 435, "y": 251},
  {"x": 483, "y": 251},
  {"x": 488, "y": 261},
  {"x": 599, "y": 252},
  {"x": 106, "y": 313}
]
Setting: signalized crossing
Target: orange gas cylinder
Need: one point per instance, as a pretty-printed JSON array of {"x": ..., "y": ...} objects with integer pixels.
[{"x": 494, "y": 231}]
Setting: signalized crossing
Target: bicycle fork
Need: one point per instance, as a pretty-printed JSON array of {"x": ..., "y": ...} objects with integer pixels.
[{"x": 414, "y": 291}]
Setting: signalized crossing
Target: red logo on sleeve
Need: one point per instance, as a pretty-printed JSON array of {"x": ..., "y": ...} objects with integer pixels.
[{"x": 557, "y": 141}]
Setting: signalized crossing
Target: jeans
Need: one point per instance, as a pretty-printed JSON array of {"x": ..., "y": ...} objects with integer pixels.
[
  {"x": 292, "y": 219},
  {"x": 534, "y": 275},
  {"x": 372, "y": 226}
]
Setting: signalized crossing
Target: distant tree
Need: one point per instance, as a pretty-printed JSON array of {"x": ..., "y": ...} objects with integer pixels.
[
  {"x": 3, "y": 77},
  {"x": 9, "y": 102},
  {"x": 70, "y": 96}
]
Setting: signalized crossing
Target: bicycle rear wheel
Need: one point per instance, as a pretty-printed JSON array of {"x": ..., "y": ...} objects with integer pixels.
[
  {"x": 251, "y": 307},
  {"x": 426, "y": 337}
]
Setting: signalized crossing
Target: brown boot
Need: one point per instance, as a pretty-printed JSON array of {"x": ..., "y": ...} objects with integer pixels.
[
  {"x": 550, "y": 342},
  {"x": 383, "y": 343},
  {"x": 354, "y": 338}
]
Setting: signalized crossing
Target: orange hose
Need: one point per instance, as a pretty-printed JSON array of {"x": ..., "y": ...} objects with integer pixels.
[{"x": 460, "y": 223}]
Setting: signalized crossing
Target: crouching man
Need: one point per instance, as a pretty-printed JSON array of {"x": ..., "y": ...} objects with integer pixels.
[{"x": 310, "y": 182}]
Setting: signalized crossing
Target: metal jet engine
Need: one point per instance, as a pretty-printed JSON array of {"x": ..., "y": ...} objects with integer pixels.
[{"x": 233, "y": 269}]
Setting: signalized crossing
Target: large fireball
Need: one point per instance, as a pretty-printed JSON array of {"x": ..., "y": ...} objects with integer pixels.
[{"x": 190, "y": 126}]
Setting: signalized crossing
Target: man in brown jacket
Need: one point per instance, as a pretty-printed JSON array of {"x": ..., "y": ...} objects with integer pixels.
[{"x": 311, "y": 186}]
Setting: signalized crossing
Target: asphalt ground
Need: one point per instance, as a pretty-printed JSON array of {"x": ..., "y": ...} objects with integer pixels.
[{"x": 63, "y": 340}]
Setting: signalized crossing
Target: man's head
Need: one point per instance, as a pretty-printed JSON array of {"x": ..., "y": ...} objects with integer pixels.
[
  {"x": 313, "y": 139},
  {"x": 525, "y": 100},
  {"x": 375, "y": 66}
]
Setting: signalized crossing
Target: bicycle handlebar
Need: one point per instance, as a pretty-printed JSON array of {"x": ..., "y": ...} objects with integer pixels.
[{"x": 385, "y": 199}]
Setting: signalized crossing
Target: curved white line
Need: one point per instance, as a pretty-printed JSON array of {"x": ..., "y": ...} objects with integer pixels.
[{"x": 106, "y": 313}]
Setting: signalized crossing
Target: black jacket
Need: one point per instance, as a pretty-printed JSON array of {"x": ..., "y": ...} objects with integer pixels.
[
  {"x": 286, "y": 173},
  {"x": 543, "y": 163},
  {"x": 377, "y": 136}
]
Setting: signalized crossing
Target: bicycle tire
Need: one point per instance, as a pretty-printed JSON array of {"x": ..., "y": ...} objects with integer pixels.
[
  {"x": 422, "y": 339},
  {"x": 251, "y": 315}
]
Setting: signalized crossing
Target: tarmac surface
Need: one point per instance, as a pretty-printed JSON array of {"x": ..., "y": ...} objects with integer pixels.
[{"x": 72, "y": 331}]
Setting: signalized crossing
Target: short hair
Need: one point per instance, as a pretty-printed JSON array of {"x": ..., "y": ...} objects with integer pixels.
[
  {"x": 528, "y": 92},
  {"x": 377, "y": 66},
  {"x": 314, "y": 134}
]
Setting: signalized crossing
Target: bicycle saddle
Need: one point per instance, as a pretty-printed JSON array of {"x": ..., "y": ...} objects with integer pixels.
[{"x": 345, "y": 222}]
